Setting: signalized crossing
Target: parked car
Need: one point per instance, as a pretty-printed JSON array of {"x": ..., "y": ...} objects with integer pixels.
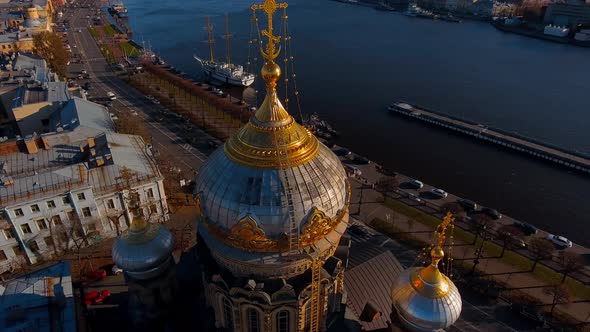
[
  {"x": 560, "y": 241},
  {"x": 343, "y": 152},
  {"x": 96, "y": 297},
  {"x": 361, "y": 160},
  {"x": 352, "y": 170},
  {"x": 467, "y": 204},
  {"x": 527, "y": 229},
  {"x": 491, "y": 212},
  {"x": 415, "y": 184},
  {"x": 116, "y": 270},
  {"x": 529, "y": 312},
  {"x": 438, "y": 193},
  {"x": 95, "y": 275},
  {"x": 111, "y": 95}
]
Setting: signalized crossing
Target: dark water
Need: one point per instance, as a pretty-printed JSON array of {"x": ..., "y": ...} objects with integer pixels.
[{"x": 351, "y": 62}]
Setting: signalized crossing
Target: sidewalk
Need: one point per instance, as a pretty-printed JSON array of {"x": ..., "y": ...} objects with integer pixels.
[{"x": 491, "y": 267}]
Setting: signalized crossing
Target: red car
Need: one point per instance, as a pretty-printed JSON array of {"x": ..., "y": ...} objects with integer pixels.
[
  {"x": 95, "y": 275},
  {"x": 96, "y": 297}
]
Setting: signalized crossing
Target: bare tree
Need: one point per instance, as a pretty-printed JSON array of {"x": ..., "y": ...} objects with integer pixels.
[
  {"x": 570, "y": 263},
  {"x": 386, "y": 184},
  {"x": 480, "y": 225},
  {"x": 541, "y": 249},
  {"x": 508, "y": 235},
  {"x": 559, "y": 293}
]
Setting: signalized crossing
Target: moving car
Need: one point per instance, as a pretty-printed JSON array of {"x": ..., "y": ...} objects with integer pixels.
[
  {"x": 438, "y": 193},
  {"x": 361, "y": 160},
  {"x": 529, "y": 312},
  {"x": 560, "y": 241}
]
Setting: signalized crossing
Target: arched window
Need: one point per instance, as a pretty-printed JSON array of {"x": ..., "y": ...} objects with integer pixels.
[
  {"x": 283, "y": 321},
  {"x": 307, "y": 309},
  {"x": 228, "y": 317},
  {"x": 253, "y": 320}
]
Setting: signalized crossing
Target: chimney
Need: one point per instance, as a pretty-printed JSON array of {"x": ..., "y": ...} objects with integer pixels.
[
  {"x": 44, "y": 143},
  {"x": 99, "y": 161},
  {"x": 91, "y": 142},
  {"x": 31, "y": 146},
  {"x": 81, "y": 170}
]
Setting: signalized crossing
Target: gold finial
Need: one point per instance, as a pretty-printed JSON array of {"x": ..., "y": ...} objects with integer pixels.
[{"x": 270, "y": 71}]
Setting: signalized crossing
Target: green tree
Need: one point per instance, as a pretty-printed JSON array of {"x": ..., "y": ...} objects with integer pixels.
[
  {"x": 49, "y": 46},
  {"x": 540, "y": 249}
]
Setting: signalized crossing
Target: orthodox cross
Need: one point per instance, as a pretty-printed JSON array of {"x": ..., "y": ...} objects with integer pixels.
[{"x": 269, "y": 7}]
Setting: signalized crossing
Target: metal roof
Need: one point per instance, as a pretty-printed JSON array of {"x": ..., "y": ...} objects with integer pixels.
[{"x": 27, "y": 301}]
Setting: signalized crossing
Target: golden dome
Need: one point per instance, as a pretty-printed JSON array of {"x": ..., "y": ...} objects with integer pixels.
[{"x": 272, "y": 138}]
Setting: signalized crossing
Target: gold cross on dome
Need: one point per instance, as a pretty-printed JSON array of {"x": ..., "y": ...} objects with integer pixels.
[{"x": 270, "y": 7}]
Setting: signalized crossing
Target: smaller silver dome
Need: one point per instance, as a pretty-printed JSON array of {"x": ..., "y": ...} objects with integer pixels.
[
  {"x": 32, "y": 23},
  {"x": 143, "y": 253},
  {"x": 425, "y": 299}
]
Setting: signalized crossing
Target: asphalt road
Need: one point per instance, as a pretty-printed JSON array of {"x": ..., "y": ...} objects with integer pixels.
[{"x": 176, "y": 140}]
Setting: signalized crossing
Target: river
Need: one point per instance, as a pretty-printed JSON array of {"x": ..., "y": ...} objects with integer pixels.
[{"x": 352, "y": 61}]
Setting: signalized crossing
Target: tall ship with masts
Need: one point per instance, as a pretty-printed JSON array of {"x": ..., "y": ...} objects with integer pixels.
[{"x": 227, "y": 72}]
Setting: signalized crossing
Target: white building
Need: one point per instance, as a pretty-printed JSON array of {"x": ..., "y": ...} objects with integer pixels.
[{"x": 67, "y": 188}]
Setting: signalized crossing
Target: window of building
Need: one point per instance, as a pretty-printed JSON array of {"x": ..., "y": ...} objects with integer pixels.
[
  {"x": 56, "y": 220},
  {"x": 110, "y": 204},
  {"x": 18, "y": 212},
  {"x": 48, "y": 241},
  {"x": 25, "y": 228},
  {"x": 17, "y": 251},
  {"x": 91, "y": 227},
  {"x": 33, "y": 246},
  {"x": 8, "y": 234},
  {"x": 153, "y": 208},
  {"x": 41, "y": 224},
  {"x": 3, "y": 256},
  {"x": 63, "y": 237},
  {"x": 150, "y": 193},
  {"x": 86, "y": 212},
  {"x": 283, "y": 321},
  {"x": 228, "y": 316},
  {"x": 253, "y": 320},
  {"x": 50, "y": 204},
  {"x": 66, "y": 199},
  {"x": 81, "y": 196},
  {"x": 71, "y": 215},
  {"x": 35, "y": 208}
]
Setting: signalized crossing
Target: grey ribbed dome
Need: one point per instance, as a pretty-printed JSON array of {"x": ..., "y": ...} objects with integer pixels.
[
  {"x": 416, "y": 306},
  {"x": 229, "y": 190},
  {"x": 143, "y": 253}
]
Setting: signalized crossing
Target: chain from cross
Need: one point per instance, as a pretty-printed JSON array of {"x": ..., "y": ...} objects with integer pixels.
[{"x": 269, "y": 7}]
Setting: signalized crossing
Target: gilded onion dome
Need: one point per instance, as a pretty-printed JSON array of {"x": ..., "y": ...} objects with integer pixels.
[
  {"x": 271, "y": 174},
  {"x": 144, "y": 250},
  {"x": 425, "y": 299}
]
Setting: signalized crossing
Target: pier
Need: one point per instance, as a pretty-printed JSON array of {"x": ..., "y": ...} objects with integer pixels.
[{"x": 571, "y": 159}]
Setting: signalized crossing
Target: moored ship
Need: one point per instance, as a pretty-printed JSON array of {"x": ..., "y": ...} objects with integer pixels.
[{"x": 226, "y": 72}]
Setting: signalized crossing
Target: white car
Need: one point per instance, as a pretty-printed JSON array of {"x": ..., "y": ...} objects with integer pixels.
[
  {"x": 560, "y": 241},
  {"x": 117, "y": 270},
  {"x": 415, "y": 184},
  {"x": 438, "y": 193},
  {"x": 111, "y": 96}
]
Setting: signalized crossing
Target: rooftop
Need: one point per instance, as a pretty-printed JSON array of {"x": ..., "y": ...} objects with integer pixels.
[
  {"x": 39, "y": 300},
  {"x": 88, "y": 153}
]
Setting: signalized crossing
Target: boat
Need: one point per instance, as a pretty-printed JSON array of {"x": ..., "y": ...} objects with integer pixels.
[
  {"x": 118, "y": 9},
  {"x": 226, "y": 72},
  {"x": 383, "y": 6}
]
